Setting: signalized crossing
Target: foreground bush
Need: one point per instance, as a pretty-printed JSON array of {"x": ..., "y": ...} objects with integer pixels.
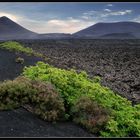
[
  {"x": 38, "y": 96},
  {"x": 46, "y": 102},
  {"x": 90, "y": 114},
  {"x": 124, "y": 119},
  {"x": 14, "y": 93}
]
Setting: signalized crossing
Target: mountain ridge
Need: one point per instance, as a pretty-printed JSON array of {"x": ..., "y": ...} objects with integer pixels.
[
  {"x": 103, "y": 30},
  {"x": 11, "y": 30}
]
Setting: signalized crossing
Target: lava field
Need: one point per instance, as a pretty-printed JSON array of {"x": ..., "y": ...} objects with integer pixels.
[{"x": 117, "y": 62}]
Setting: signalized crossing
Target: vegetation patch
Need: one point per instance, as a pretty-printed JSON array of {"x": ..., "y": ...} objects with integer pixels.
[
  {"x": 15, "y": 93},
  {"x": 124, "y": 119},
  {"x": 41, "y": 98},
  {"x": 17, "y": 47},
  {"x": 90, "y": 114},
  {"x": 46, "y": 102}
]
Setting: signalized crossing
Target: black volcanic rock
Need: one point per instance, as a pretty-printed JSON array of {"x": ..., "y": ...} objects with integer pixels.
[
  {"x": 102, "y": 29},
  {"x": 11, "y": 30}
]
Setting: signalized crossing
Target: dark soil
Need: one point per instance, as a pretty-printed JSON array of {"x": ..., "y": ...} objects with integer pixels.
[
  {"x": 116, "y": 61},
  {"x": 21, "y": 123},
  {"x": 9, "y": 69}
]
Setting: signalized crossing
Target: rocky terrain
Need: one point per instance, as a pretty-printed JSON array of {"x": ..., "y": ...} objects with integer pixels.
[
  {"x": 116, "y": 62},
  {"x": 9, "y": 69},
  {"x": 22, "y": 123}
]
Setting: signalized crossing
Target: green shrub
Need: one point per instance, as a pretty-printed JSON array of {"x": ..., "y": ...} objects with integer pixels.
[
  {"x": 90, "y": 114},
  {"x": 124, "y": 118},
  {"x": 15, "y": 46},
  {"x": 19, "y": 60},
  {"x": 18, "y": 48}
]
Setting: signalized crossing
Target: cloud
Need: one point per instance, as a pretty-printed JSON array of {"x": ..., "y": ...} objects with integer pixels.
[
  {"x": 70, "y": 25},
  {"x": 107, "y": 10},
  {"x": 55, "y": 25},
  {"x": 110, "y": 5},
  {"x": 85, "y": 17},
  {"x": 63, "y": 25},
  {"x": 91, "y": 15},
  {"x": 136, "y": 19},
  {"x": 21, "y": 19},
  {"x": 105, "y": 13},
  {"x": 13, "y": 17},
  {"x": 116, "y": 13}
]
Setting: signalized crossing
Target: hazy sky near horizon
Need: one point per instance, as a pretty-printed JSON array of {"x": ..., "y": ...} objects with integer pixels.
[{"x": 67, "y": 17}]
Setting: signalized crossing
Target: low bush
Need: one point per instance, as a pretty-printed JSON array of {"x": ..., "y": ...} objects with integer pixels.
[
  {"x": 90, "y": 114},
  {"x": 47, "y": 102},
  {"x": 15, "y": 93},
  {"x": 40, "y": 97},
  {"x": 124, "y": 119}
]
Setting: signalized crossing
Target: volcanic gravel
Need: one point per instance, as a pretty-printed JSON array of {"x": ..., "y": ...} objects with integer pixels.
[
  {"x": 116, "y": 61},
  {"x": 9, "y": 69},
  {"x": 21, "y": 123}
]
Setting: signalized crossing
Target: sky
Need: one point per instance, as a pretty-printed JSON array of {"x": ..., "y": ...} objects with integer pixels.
[{"x": 67, "y": 17}]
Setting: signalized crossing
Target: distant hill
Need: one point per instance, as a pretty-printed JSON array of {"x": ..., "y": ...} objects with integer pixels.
[
  {"x": 100, "y": 30},
  {"x": 11, "y": 30},
  {"x": 118, "y": 36},
  {"x": 55, "y": 36}
]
